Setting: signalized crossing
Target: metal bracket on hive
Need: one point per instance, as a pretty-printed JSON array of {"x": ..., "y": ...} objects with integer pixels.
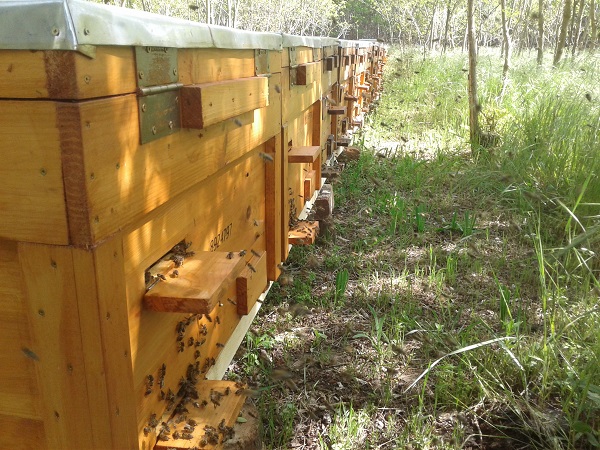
[
  {"x": 261, "y": 62},
  {"x": 158, "y": 92}
]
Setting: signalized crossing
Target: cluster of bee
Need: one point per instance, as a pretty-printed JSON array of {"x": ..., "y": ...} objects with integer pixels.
[
  {"x": 213, "y": 435},
  {"x": 293, "y": 220}
]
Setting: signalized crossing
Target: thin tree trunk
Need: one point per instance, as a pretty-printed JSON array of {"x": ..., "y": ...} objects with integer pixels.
[
  {"x": 473, "y": 102},
  {"x": 540, "y": 49},
  {"x": 578, "y": 27},
  {"x": 507, "y": 45},
  {"x": 560, "y": 42},
  {"x": 570, "y": 37},
  {"x": 447, "y": 27},
  {"x": 594, "y": 30}
]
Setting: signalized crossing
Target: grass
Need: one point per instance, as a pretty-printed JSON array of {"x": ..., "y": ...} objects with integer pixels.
[{"x": 455, "y": 304}]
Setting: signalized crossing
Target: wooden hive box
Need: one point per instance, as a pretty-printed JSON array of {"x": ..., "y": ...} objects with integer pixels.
[
  {"x": 301, "y": 132},
  {"x": 329, "y": 78},
  {"x": 122, "y": 134}
]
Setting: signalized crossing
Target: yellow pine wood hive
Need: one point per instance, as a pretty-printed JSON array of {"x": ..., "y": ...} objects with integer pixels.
[{"x": 151, "y": 171}]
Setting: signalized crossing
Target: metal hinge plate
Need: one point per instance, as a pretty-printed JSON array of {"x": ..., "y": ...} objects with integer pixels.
[
  {"x": 261, "y": 62},
  {"x": 293, "y": 57},
  {"x": 158, "y": 92}
]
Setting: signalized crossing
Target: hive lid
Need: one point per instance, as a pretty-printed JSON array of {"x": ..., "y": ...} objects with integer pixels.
[
  {"x": 329, "y": 41},
  {"x": 290, "y": 40},
  {"x": 77, "y": 24},
  {"x": 348, "y": 44}
]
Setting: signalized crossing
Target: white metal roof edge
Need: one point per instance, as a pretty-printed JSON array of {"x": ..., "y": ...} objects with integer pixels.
[
  {"x": 290, "y": 40},
  {"x": 74, "y": 24}
]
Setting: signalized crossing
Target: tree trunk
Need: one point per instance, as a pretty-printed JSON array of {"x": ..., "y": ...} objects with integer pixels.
[
  {"x": 447, "y": 27},
  {"x": 507, "y": 45},
  {"x": 540, "y": 49},
  {"x": 560, "y": 42},
  {"x": 578, "y": 27},
  {"x": 571, "y": 35},
  {"x": 473, "y": 102},
  {"x": 594, "y": 30}
]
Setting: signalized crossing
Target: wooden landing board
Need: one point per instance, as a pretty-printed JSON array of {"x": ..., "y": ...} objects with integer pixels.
[
  {"x": 336, "y": 110},
  {"x": 307, "y": 154},
  {"x": 209, "y": 103},
  {"x": 304, "y": 233},
  {"x": 252, "y": 282},
  {"x": 202, "y": 280},
  {"x": 222, "y": 408}
]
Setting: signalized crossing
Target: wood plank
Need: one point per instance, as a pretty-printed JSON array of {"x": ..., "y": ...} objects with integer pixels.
[
  {"x": 59, "y": 74},
  {"x": 56, "y": 344},
  {"x": 125, "y": 181},
  {"x": 22, "y": 434},
  {"x": 336, "y": 110},
  {"x": 116, "y": 349},
  {"x": 19, "y": 394},
  {"x": 223, "y": 407},
  {"x": 303, "y": 55},
  {"x": 252, "y": 282},
  {"x": 273, "y": 207},
  {"x": 305, "y": 74},
  {"x": 200, "y": 285},
  {"x": 285, "y": 206},
  {"x": 308, "y": 185},
  {"x": 308, "y": 154},
  {"x": 296, "y": 99},
  {"x": 91, "y": 339},
  {"x": 206, "y": 104},
  {"x": 23, "y": 74},
  {"x": 32, "y": 198},
  {"x": 304, "y": 233},
  {"x": 208, "y": 65}
]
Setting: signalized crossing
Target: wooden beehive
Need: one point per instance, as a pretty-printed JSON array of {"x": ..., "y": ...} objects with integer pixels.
[{"x": 123, "y": 134}]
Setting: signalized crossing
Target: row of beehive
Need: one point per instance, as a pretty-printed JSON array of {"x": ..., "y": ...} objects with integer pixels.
[{"x": 113, "y": 154}]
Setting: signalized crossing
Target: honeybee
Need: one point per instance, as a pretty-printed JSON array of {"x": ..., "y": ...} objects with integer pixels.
[
  {"x": 266, "y": 157},
  {"x": 243, "y": 253},
  {"x": 251, "y": 267},
  {"x": 197, "y": 354},
  {"x": 217, "y": 320},
  {"x": 232, "y": 302},
  {"x": 176, "y": 434},
  {"x": 255, "y": 253},
  {"x": 220, "y": 345},
  {"x": 191, "y": 341},
  {"x": 230, "y": 255},
  {"x": 180, "y": 347}
]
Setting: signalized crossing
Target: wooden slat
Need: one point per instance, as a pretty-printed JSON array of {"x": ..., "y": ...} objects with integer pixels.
[
  {"x": 285, "y": 206},
  {"x": 54, "y": 319},
  {"x": 200, "y": 285},
  {"x": 115, "y": 329},
  {"x": 206, "y": 104},
  {"x": 19, "y": 394},
  {"x": 66, "y": 74},
  {"x": 22, "y": 434},
  {"x": 336, "y": 110},
  {"x": 32, "y": 198},
  {"x": 252, "y": 282},
  {"x": 126, "y": 180},
  {"x": 226, "y": 411},
  {"x": 308, "y": 185},
  {"x": 304, "y": 233},
  {"x": 303, "y": 55},
  {"x": 306, "y": 73},
  {"x": 273, "y": 207},
  {"x": 91, "y": 339},
  {"x": 296, "y": 99},
  {"x": 308, "y": 154}
]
